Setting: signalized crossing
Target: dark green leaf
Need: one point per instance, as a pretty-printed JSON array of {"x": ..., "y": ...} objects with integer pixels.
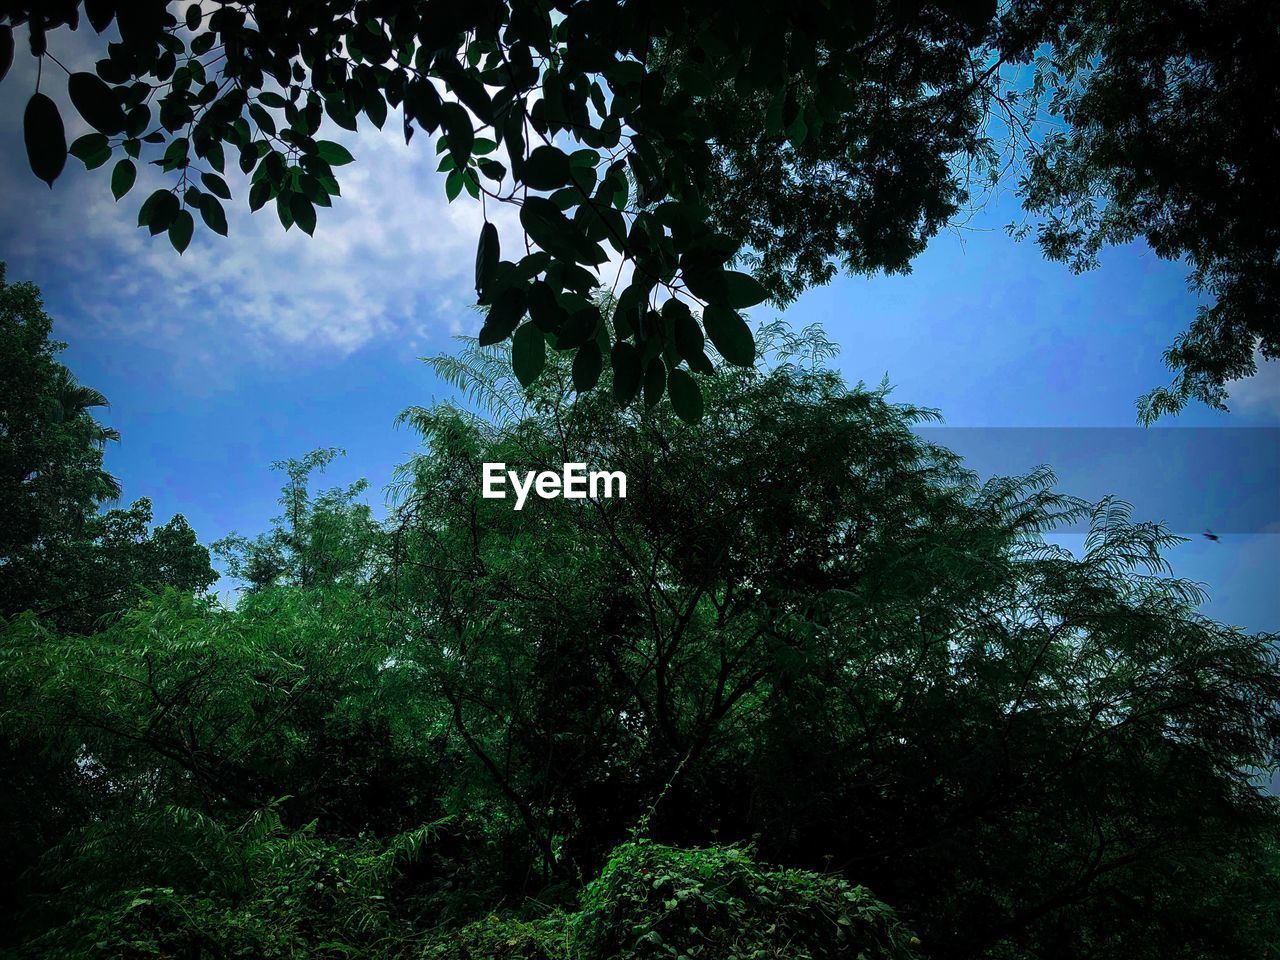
[
  {"x": 587, "y": 365},
  {"x": 548, "y": 227},
  {"x": 686, "y": 396},
  {"x": 528, "y": 353},
  {"x": 544, "y": 309},
  {"x": 122, "y": 178},
  {"x": 700, "y": 363},
  {"x": 340, "y": 113},
  {"x": 46, "y": 140},
  {"x": 137, "y": 119},
  {"x": 579, "y": 328},
  {"x": 625, "y": 359},
  {"x": 96, "y": 102},
  {"x": 304, "y": 213},
  {"x": 334, "y": 154},
  {"x": 175, "y": 155},
  {"x": 655, "y": 381},
  {"x": 263, "y": 119},
  {"x": 180, "y": 230},
  {"x": 214, "y": 216},
  {"x": 216, "y": 185},
  {"x": 731, "y": 335},
  {"x": 150, "y": 207},
  {"x": 547, "y": 168},
  {"x": 685, "y": 330},
  {"x": 100, "y": 13},
  {"x": 724, "y": 288},
  {"x": 92, "y": 149},
  {"x": 166, "y": 209},
  {"x": 259, "y": 194},
  {"x": 487, "y": 256},
  {"x": 283, "y": 209},
  {"x": 493, "y": 170},
  {"x": 743, "y": 290},
  {"x": 453, "y": 185},
  {"x": 461, "y": 135},
  {"x": 503, "y": 316},
  {"x": 6, "y": 49}
]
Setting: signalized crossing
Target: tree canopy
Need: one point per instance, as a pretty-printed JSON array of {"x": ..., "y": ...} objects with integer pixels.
[
  {"x": 809, "y": 651},
  {"x": 59, "y": 556},
  {"x": 65, "y": 562},
  {"x": 717, "y": 159}
]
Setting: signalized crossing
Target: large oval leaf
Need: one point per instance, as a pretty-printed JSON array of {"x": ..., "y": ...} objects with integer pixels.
[
  {"x": 544, "y": 308},
  {"x": 6, "y": 49},
  {"x": 96, "y": 102},
  {"x": 687, "y": 333},
  {"x": 487, "y": 253},
  {"x": 743, "y": 290},
  {"x": 655, "y": 381},
  {"x": 214, "y": 216},
  {"x": 303, "y": 213},
  {"x": 334, "y": 154},
  {"x": 686, "y": 397},
  {"x": 547, "y": 168},
  {"x": 731, "y": 335},
  {"x": 724, "y": 288},
  {"x": 45, "y": 137},
  {"x": 123, "y": 177},
  {"x": 528, "y": 353},
  {"x": 625, "y": 359},
  {"x": 180, "y": 230},
  {"x": 548, "y": 227},
  {"x": 503, "y": 316},
  {"x": 587, "y": 365},
  {"x": 579, "y": 328},
  {"x": 462, "y": 135}
]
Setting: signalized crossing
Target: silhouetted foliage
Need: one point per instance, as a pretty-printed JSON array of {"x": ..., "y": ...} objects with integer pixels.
[{"x": 685, "y": 138}]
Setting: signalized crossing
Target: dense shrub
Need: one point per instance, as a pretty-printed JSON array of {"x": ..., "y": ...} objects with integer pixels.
[
  {"x": 267, "y": 893},
  {"x": 504, "y": 938},
  {"x": 654, "y": 901},
  {"x": 719, "y": 904},
  {"x": 310, "y": 899}
]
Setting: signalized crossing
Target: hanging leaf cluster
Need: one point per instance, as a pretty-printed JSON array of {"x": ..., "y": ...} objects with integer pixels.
[
  {"x": 553, "y": 108},
  {"x": 693, "y": 152}
]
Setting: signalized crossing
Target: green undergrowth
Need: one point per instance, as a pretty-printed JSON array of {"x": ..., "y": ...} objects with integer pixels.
[{"x": 650, "y": 901}]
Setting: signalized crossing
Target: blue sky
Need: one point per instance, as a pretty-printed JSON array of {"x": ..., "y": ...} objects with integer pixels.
[{"x": 267, "y": 345}]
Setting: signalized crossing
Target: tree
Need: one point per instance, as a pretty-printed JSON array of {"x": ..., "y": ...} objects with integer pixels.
[
  {"x": 59, "y": 556},
  {"x": 805, "y": 629},
  {"x": 325, "y": 540},
  {"x": 51, "y": 475},
  {"x": 684, "y": 139},
  {"x": 63, "y": 562},
  {"x": 808, "y": 627},
  {"x": 1158, "y": 143}
]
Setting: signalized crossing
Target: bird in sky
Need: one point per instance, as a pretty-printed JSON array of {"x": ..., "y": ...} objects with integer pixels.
[{"x": 1210, "y": 535}]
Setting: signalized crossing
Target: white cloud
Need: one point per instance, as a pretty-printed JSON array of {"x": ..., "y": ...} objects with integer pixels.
[{"x": 1259, "y": 393}]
